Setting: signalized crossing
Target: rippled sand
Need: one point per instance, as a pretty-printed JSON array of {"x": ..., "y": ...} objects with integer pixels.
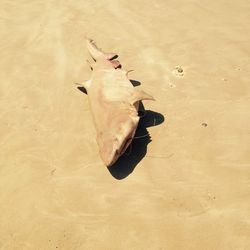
[{"x": 188, "y": 188}]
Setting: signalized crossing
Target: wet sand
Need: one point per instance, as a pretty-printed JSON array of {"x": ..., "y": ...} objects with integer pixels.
[{"x": 187, "y": 188}]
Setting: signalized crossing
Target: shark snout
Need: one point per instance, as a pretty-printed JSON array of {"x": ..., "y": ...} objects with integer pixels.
[
  {"x": 112, "y": 147},
  {"x": 120, "y": 148},
  {"x": 111, "y": 156}
]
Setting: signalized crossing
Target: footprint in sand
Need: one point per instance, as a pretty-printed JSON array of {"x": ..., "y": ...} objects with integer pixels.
[{"x": 178, "y": 71}]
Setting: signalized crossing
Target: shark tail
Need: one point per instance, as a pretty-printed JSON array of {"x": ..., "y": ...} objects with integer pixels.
[{"x": 96, "y": 52}]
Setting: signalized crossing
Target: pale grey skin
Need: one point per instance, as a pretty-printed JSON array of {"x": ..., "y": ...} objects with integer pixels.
[{"x": 114, "y": 104}]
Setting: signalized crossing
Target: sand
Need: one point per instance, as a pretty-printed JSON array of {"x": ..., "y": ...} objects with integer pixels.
[{"x": 188, "y": 188}]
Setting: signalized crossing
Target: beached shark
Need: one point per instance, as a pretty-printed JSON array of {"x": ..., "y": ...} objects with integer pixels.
[{"x": 114, "y": 103}]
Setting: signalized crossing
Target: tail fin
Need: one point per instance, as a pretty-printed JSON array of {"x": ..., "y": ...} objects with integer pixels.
[{"x": 96, "y": 52}]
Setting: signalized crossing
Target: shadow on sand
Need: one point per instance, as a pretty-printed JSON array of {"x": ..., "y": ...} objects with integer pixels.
[{"x": 138, "y": 148}]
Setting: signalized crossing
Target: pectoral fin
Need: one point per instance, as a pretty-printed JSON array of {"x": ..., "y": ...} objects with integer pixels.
[
  {"x": 84, "y": 86},
  {"x": 139, "y": 95}
]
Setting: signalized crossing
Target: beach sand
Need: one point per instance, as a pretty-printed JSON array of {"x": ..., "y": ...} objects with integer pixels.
[{"x": 188, "y": 188}]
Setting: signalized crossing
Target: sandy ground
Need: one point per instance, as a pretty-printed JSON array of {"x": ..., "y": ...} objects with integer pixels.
[{"x": 189, "y": 188}]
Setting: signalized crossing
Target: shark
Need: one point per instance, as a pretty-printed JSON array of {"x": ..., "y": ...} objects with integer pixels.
[{"x": 113, "y": 102}]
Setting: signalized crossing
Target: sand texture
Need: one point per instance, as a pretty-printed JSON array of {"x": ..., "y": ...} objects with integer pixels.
[{"x": 187, "y": 188}]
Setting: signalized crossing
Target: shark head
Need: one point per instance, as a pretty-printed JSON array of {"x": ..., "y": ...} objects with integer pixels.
[{"x": 113, "y": 145}]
